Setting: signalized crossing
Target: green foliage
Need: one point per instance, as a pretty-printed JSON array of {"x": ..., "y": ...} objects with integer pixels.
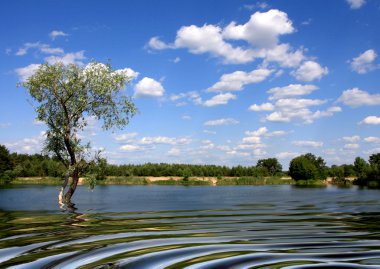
[
  {"x": 308, "y": 167},
  {"x": 271, "y": 165},
  {"x": 5, "y": 164},
  {"x": 66, "y": 97},
  {"x": 254, "y": 181}
]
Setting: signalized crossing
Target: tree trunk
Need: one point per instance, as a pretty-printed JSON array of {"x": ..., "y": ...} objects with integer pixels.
[{"x": 72, "y": 187}]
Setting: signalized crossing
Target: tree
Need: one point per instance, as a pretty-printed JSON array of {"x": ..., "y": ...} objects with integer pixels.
[
  {"x": 66, "y": 97},
  {"x": 360, "y": 167},
  {"x": 307, "y": 167},
  {"x": 271, "y": 165},
  {"x": 5, "y": 160}
]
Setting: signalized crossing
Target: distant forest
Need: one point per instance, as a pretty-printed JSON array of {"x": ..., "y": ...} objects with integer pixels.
[{"x": 306, "y": 166}]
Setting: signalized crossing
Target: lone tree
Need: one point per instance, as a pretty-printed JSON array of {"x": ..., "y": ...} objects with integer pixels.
[{"x": 66, "y": 97}]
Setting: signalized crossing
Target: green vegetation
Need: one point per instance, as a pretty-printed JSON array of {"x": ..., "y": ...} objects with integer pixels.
[
  {"x": 66, "y": 97},
  {"x": 308, "y": 167},
  {"x": 305, "y": 170},
  {"x": 255, "y": 181}
]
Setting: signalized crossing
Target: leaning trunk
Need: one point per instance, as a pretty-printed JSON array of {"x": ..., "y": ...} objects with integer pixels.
[{"x": 72, "y": 187}]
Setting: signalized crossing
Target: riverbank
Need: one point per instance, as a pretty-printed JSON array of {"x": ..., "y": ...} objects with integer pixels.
[{"x": 191, "y": 181}]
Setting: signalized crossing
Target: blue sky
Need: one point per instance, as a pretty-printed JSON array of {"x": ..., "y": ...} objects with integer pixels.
[{"x": 220, "y": 82}]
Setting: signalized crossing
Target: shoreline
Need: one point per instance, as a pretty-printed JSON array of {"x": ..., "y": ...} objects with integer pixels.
[{"x": 172, "y": 180}]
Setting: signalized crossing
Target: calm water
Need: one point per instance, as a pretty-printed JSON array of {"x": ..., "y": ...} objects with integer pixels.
[{"x": 191, "y": 227}]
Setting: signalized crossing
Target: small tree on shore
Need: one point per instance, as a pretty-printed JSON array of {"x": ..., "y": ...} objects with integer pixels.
[
  {"x": 66, "y": 97},
  {"x": 271, "y": 165}
]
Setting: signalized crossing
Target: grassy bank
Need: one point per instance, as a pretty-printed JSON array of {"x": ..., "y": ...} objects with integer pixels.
[
  {"x": 179, "y": 181},
  {"x": 255, "y": 181}
]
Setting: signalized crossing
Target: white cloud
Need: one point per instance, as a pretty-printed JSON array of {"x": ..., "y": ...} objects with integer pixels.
[
  {"x": 364, "y": 62},
  {"x": 262, "y": 107},
  {"x": 130, "y": 148},
  {"x": 310, "y": 71},
  {"x": 28, "y": 145},
  {"x": 351, "y": 146},
  {"x": 220, "y": 99},
  {"x": 223, "y": 121},
  {"x": 237, "y": 80},
  {"x": 41, "y": 47},
  {"x": 262, "y": 30},
  {"x": 351, "y": 139},
  {"x": 372, "y": 151},
  {"x": 54, "y": 34},
  {"x": 174, "y": 152},
  {"x": 148, "y": 87},
  {"x": 68, "y": 58},
  {"x": 125, "y": 138},
  {"x": 286, "y": 155},
  {"x": 355, "y": 4},
  {"x": 186, "y": 117},
  {"x": 192, "y": 96},
  {"x": 291, "y": 90},
  {"x": 259, "y": 132},
  {"x": 308, "y": 143},
  {"x": 208, "y": 39},
  {"x": 209, "y": 132},
  {"x": 371, "y": 120},
  {"x": 130, "y": 73},
  {"x": 157, "y": 44},
  {"x": 176, "y": 60},
  {"x": 164, "y": 140},
  {"x": 372, "y": 139},
  {"x": 356, "y": 97},
  {"x": 25, "y": 72},
  {"x": 283, "y": 55}
]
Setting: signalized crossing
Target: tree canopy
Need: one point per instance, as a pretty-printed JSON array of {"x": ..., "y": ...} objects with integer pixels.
[
  {"x": 307, "y": 167},
  {"x": 66, "y": 97}
]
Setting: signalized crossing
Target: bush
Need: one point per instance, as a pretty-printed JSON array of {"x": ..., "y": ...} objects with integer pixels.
[{"x": 8, "y": 176}]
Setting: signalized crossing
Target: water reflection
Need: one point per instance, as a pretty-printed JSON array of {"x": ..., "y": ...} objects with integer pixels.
[{"x": 196, "y": 227}]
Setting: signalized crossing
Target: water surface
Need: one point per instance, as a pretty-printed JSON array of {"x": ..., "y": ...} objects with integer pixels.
[{"x": 191, "y": 227}]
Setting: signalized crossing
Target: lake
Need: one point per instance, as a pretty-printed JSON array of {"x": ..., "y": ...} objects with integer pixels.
[{"x": 191, "y": 227}]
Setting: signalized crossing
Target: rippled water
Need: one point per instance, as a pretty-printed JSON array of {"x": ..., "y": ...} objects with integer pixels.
[{"x": 191, "y": 227}]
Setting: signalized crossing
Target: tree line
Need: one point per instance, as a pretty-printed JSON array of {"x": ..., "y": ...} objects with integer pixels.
[{"x": 304, "y": 167}]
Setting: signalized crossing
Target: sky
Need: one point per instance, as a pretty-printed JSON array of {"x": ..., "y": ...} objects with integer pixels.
[{"x": 215, "y": 82}]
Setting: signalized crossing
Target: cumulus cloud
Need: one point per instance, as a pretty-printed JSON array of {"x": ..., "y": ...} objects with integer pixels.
[
  {"x": 148, "y": 87},
  {"x": 372, "y": 139},
  {"x": 157, "y": 44},
  {"x": 284, "y": 55},
  {"x": 164, "y": 140},
  {"x": 125, "y": 138},
  {"x": 286, "y": 155},
  {"x": 371, "y": 120},
  {"x": 262, "y": 107},
  {"x": 262, "y": 30},
  {"x": 291, "y": 90},
  {"x": 54, "y": 34},
  {"x": 28, "y": 145},
  {"x": 130, "y": 148},
  {"x": 68, "y": 58},
  {"x": 355, "y": 4},
  {"x": 43, "y": 48},
  {"x": 351, "y": 139},
  {"x": 355, "y": 97},
  {"x": 25, "y": 72},
  {"x": 364, "y": 62},
  {"x": 220, "y": 99},
  {"x": 310, "y": 71},
  {"x": 308, "y": 143},
  {"x": 208, "y": 39},
  {"x": 237, "y": 80},
  {"x": 351, "y": 146},
  {"x": 223, "y": 121}
]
